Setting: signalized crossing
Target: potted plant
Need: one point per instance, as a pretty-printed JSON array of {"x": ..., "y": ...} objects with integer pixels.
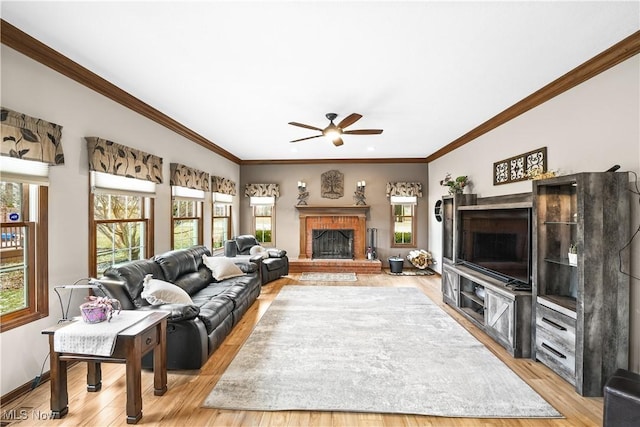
[
  {"x": 456, "y": 186},
  {"x": 99, "y": 309},
  {"x": 573, "y": 254}
]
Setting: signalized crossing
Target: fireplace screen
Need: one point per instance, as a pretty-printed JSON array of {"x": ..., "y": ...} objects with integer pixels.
[{"x": 332, "y": 244}]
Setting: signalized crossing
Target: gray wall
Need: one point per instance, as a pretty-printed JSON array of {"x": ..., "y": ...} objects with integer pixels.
[{"x": 376, "y": 177}]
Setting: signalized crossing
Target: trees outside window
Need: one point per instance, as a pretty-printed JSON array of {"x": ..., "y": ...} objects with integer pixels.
[
  {"x": 403, "y": 224},
  {"x": 221, "y": 225},
  {"x": 23, "y": 254},
  {"x": 263, "y": 224},
  {"x": 120, "y": 230},
  {"x": 187, "y": 223}
]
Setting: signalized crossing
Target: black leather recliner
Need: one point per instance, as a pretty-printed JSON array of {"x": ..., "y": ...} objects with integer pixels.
[{"x": 272, "y": 267}]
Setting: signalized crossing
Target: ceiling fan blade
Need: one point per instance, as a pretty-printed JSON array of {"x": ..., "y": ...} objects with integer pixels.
[
  {"x": 309, "y": 137},
  {"x": 363, "y": 132},
  {"x": 305, "y": 126},
  {"x": 349, "y": 120},
  {"x": 338, "y": 142}
]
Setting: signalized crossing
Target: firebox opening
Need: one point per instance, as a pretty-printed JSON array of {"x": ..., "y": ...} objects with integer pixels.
[{"x": 332, "y": 244}]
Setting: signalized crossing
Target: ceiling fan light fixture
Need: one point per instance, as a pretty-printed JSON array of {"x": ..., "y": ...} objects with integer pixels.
[{"x": 332, "y": 134}]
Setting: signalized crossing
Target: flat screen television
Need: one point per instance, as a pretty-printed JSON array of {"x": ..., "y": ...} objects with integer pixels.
[{"x": 497, "y": 242}]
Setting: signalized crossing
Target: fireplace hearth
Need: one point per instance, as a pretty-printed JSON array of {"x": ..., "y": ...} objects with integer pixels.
[{"x": 332, "y": 244}]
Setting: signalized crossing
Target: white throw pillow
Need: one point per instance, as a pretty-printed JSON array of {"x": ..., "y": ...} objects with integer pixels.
[
  {"x": 157, "y": 291},
  {"x": 259, "y": 250},
  {"x": 221, "y": 268}
]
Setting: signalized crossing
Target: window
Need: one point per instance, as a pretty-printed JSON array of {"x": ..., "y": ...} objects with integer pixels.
[
  {"x": 187, "y": 223},
  {"x": 120, "y": 230},
  {"x": 263, "y": 220},
  {"x": 188, "y": 186},
  {"x": 24, "y": 294},
  {"x": 222, "y": 192},
  {"x": 262, "y": 201},
  {"x": 221, "y": 224},
  {"x": 403, "y": 224},
  {"x": 29, "y": 147},
  {"x": 123, "y": 186}
]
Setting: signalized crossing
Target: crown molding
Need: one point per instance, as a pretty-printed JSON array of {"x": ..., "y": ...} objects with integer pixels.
[
  {"x": 616, "y": 54},
  {"x": 337, "y": 161},
  {"x": 22, "y": 42},
  {"x": 38, "y": 51}
]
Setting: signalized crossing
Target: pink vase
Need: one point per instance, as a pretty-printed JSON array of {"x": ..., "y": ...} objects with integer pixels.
[{"x": 94, "y": 314}]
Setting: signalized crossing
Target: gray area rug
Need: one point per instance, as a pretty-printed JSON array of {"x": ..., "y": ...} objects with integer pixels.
[
  {"x": 370, "y": 349},
  {"x": 328, "y": 277}
]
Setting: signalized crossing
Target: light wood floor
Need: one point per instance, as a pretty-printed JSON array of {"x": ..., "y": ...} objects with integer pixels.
[{"x": 180, "y": 406}]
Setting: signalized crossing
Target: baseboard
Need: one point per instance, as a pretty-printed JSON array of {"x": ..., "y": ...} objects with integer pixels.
[{"x": 27, "y": 387}]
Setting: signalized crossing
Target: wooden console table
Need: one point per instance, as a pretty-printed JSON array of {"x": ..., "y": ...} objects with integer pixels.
[{"x": 131, "y": 344}]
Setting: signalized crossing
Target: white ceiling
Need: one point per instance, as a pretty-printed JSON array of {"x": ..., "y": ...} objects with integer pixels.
[{"x": 237, "y": 72}]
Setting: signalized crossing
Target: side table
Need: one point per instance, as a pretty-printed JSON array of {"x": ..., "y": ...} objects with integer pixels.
[{"x": 131, "y": 344}]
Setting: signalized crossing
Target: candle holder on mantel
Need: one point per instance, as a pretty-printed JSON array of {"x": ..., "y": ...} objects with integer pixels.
[
  {"x": 303, "y": 194},
  {"x": 359, "y": 196}
]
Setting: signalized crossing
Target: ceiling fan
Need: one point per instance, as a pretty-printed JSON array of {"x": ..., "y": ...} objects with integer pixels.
[{"x": 333, "y": 132}]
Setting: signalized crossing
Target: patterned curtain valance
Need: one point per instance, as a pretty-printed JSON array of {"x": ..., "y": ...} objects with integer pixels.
[
  {"x": 184, "y": 176},
  {"x": 29, "y": 138},
  {"x": 404, "y": 189},
  {"x": 109, "y": 157},
  {"x": 262, "y": 190},
  {"x": 223, "y": 185}
]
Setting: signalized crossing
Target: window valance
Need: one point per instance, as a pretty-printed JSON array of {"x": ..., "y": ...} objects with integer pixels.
[
  {"x": 404, "y": 189},
  {"x": 184, "y": 176},
  {"x": 223, "y": 185},
  {"x": 29, "y": 138},
  {"x": 116, "y": 159},
  {"x": 262, "y": 190}
]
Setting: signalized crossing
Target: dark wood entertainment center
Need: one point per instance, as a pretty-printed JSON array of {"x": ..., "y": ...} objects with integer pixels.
[
  {"x": 575, "y": 318},
  {"x": 503, "y": 313},
  {"x": 581, "y": 309}
]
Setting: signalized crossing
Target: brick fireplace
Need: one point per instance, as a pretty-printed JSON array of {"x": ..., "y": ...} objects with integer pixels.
[{"x": 333, "y": 218}]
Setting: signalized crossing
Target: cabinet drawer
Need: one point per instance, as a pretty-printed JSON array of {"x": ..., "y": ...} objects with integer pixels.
[
  {"x": 556, "y": 342},
  {"x": 560, "y": 361},
  {"x": 148, "y": 340},
  {"x": 556, "y": 326}
]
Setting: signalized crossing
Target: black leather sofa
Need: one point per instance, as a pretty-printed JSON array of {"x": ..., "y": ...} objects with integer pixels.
[
  {"x": 195, "y": 330},
  {"x": 273, "y": 266}
]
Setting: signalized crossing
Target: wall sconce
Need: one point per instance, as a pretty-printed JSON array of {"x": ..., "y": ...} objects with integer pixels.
[
  {"x": 359, "y": 196},
  {"x": 303, "y": 194}
]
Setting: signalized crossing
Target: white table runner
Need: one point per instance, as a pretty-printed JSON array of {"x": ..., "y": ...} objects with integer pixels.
[{"x": 96, "y": 339}]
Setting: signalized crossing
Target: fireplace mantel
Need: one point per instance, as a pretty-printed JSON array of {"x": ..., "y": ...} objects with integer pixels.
[
  {"x": 332, "y": 217},
  {"x": 316, "y": 210}
]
